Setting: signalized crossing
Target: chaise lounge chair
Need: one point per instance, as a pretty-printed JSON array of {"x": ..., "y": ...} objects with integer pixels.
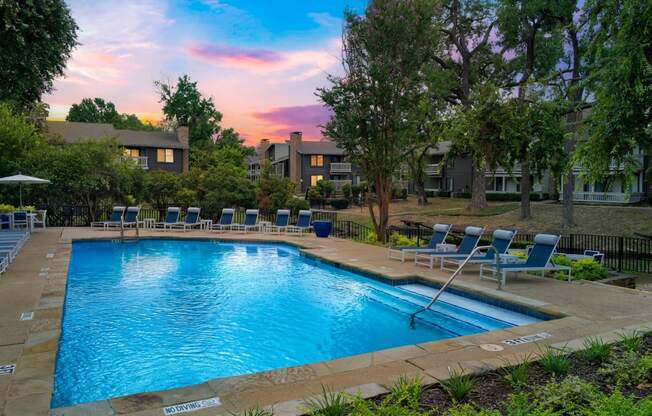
[
  {"x": 171, "y": 218},
  {"x": 539, "y": 260},
  {"x": 303, "y": 223},
  {"x": 226, "y": 220},
  {"x": 502, "y": 239},
  {"x": 282, "y": 220},
  {"x": 439, "y": 234},
  {"x": 114, "y": 221},
  {"x": 250, "y": 222},
  {"x": 191, "y": 221},
  {"x": 470, "y": 241},
  {"x": 131, "y": 217}
]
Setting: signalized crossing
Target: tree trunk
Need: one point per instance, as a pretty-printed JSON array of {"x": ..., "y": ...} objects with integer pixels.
[
  {"x": 421, "y": 192},
  {"x": 569, "y": 211},
  {"x": 383, "y": 194},
  {"x": 478, "y": 190},
  {"x": 525, "y": 189}
]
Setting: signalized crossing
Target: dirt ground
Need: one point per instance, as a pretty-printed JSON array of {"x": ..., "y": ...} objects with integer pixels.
[{"x": 546, "y": 216}]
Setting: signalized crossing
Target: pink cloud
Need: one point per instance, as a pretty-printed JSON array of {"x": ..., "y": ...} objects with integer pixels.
[
  {"x": 236, "y": 56},
  {"x": 306, "y": 118}
]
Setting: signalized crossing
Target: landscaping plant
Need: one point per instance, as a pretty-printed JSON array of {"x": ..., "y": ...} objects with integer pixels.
[
  {"x": 555, "y": 361},
  {"x": 458, "y": 385},
  {"x": 595, "y": 350},
  {"x": 329, "y": 403},
  {"x": 517, "y": 375}
]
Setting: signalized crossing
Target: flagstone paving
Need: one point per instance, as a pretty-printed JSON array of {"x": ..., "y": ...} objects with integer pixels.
[{"x": 36, "y": 282}]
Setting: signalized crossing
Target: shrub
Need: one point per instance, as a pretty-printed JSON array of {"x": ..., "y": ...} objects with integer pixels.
[
  {"x": 555, "y": 361},
  {"x": 458, "y": 385},
  {"x": 256, "y": 411},
  {"x": 313, "y": 195},
  {"x": 399, "y": 193},
  {"x": 629, "y": 369},
  {"x": 595, "y": 350},
  {"x": 7, "y": 208},
  {"x": 618, "y": 405},
  {"x": 444, "y": 194},
  {"x": 347, "y": 191},
  {"x": 328, "y": 404},
  {"x": 339, "y": 203},
  {"x": 581, "y": 269},
  {"x": 406, "y": 392},
  {"x": 372, "y": 237},
  {"x": 517, "y": 375},
  {"x": 296, "y": 204},
  {"x": 325, "y": 188},
  {"x": 470, "y": 410},
  {"x": 630, "y": 342},
  {"x": 396, "y": 239},
  {"x": 570, "y": 397}
]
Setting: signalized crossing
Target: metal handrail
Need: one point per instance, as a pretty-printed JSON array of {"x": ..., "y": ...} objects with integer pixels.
[{"x": 453, "y": 276}]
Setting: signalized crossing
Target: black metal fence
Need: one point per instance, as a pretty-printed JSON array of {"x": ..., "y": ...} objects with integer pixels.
[
  {"x": 621, "y": 253},
  {"x": 624, "y": 254}
]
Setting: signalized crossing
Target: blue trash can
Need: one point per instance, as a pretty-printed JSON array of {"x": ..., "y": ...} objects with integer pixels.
[{"x": 322, "y": 228}]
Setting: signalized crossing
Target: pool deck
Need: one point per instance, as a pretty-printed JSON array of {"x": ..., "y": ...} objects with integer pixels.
[{"x": 36, "y": 283}]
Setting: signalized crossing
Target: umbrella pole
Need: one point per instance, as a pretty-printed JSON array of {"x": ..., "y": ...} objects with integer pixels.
[{"x": 20, "y": 192}]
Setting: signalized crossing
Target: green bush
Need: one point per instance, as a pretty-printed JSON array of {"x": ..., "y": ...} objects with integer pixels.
[
  {"x": 396, "y": 239},
  {"x": 444, "y": 194},
  {"x": 470, "y": 410},
  {"x": 554, "y": 361},
  {"x": 581, "y": 269},
  {"x": 618, "y": 405},
  {"x": 7, "y": 208},
  {"x": 372, "y": 237},
  {"x": 595, "y": 350},
  {"x": 458, "y": 385},
  {"x": 313, "y": 195},
  {"x": 570, "y": 397},
  {"x": 628, "y": 369},
  {"x": 326, "y": 188},
  {"x": 347, "y": 191},
  {"x": 339, "y": 203},
  {"x": 297, "y": 204},
  {"x": 399, "y": 193}
]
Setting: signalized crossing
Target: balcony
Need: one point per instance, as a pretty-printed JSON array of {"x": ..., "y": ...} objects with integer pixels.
[
  {"x": 433, "y": 169},
  {"x": 339, "y": 184},
  {"x": 607, "y": 197},
  {"x": 616, "y": 167},
  {"x": 340, "y": 168},
  {"x": 141, "y": 161}
]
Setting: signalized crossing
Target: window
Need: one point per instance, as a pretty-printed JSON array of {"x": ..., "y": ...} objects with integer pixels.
[
  {"x": 317, "y": 161},
  {"x": 132, "y": 152},
  {"x": 165, "y": 155},
  {"x": 315, "y": 178}
]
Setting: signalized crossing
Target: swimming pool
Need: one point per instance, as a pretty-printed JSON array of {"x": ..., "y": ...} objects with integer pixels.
[{"x": 159, "y": 314}]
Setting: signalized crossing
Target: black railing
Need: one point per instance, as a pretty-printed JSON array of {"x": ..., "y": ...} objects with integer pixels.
[{"x": 621, "y": 253}]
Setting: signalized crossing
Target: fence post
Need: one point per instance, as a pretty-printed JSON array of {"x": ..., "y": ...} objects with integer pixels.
[{"x": 621, "y": 252}]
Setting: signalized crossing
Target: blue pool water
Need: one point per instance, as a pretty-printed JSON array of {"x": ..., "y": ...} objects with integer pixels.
[{"x": 159, "y": 314}]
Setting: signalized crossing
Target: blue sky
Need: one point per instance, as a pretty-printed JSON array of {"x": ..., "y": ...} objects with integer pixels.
[{"x": 260, "y": 60}]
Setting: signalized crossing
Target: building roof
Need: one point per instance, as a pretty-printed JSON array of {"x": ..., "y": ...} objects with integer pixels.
[
  {"x": 441, "y": 149},
  {"x": 73, "y": 132},
  {"x": 323, "y": 147}
]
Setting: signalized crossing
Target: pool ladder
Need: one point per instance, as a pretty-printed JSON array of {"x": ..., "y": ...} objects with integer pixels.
[
  {"x": 122, "y": 231},
  {"x": 453, "y": 276}
]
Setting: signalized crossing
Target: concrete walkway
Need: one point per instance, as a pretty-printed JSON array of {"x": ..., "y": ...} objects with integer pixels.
[{"x": 35, "y": 282}]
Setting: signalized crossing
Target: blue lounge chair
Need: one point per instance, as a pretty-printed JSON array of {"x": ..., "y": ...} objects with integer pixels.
[
  {"x": 171, "y": 218},
  {"x": 250, "y": 222},
  {"x": 439, "y": 234},
  {"x": 538, "y": 260},
  {"x": 21, "y": 220},
  {"x": 303, "y": 223},
  {"x": 114, "y": 220},
  {"x": 226, "y": 220},
  {"x": 131, "y": 217},
  {"x": 282, "y": 220},
  {"x": 470, "y": 241},
  {"x": 502, "y": 239},
  {"x": 191, "y": 221}
]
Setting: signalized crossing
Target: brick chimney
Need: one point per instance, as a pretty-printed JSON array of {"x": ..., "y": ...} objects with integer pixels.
[
  {"x": 183, "y": 136},
  {"x": 295, "y": 159},
  {"x": 262, "y": 148}
]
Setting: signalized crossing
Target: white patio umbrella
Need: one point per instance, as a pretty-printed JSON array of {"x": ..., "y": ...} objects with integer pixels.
[{"x": 20, "y": 180}]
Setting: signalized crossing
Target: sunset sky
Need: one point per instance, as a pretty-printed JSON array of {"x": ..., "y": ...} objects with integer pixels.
[{"x": 260, "y": 60}]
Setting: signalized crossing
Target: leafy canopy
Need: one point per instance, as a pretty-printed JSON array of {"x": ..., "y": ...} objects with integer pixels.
[
  {"x": 36, "y": 40},
  {"x": 184, "y": 105},
  {"x": 97, "y": 110}
]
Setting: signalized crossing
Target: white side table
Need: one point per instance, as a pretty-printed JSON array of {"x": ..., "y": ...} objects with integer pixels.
[
  {"x": 149, "y": 223},
  {"x": 206, "y": 225},
  {"x": 263, "y": 226}
]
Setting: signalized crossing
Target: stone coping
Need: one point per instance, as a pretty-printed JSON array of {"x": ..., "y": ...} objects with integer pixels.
[{"x": 36, "y": 283}]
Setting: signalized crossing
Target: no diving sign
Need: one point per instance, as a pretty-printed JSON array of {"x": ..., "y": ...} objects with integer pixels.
[{"x": 191, "y": 406}]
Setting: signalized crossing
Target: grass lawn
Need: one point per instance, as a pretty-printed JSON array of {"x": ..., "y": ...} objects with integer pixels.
[{"x": 546, "y": 216}]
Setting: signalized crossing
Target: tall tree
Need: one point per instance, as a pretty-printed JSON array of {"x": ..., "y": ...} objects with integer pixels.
[
  {"x": 36, "y": 40},
  {"x": 467, "y": 52},
  {"x": 186, "y": 106},
  {"x": 386, "y": 54},
  {"x": 18, "y": 138},
  {"x": 619, "y": 79},
  {"x": 97, "y": 110},
  {"x": 532, "y": 31}
]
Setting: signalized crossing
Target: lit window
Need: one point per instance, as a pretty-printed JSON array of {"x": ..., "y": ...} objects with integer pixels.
[
  {"x": 165, "y": 155},
  {"x": 316, "y": 161},
  {"x": 132, "y": 152},
  {"x": 315, "y": 178}
]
